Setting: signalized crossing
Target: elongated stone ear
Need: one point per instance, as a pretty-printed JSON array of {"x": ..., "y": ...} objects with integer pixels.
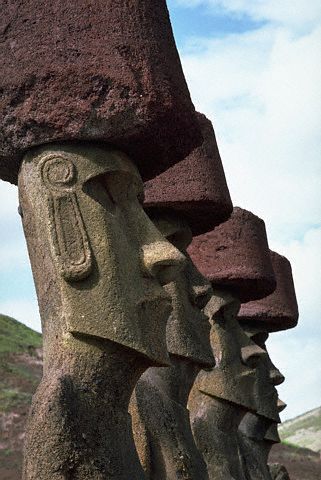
[{"x": 68, "y": 232}]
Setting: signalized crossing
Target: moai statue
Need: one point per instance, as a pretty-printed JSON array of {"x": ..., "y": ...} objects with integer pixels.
[
  {"x": 84, "y": 84},
  {"x": 276, "y": 312},
  {"x": 99, "y": 265},
  {"x": 176, "y": 201},
  {"x": 93, "y": 70},
  {"x": 235, "y": 258}
]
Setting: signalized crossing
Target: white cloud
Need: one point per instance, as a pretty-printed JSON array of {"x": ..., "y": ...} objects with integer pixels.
[
  {"x": 293, "y": 13},
  {"x": 261, "y": 90}
]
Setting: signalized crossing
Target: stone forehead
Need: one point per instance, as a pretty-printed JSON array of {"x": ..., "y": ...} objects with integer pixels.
[
  {"x": 102, "y": 70},
  {"x": 278, "y": 311},
  {"x": 76, "y": 164},
  {"x": 195, "y": 187},
  {"x": 235, "y": 256}
]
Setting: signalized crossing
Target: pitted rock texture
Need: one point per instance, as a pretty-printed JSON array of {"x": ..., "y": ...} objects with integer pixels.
[
  {"x": 100, "y": 70},
  {"x": 278, "y": 311},
  {"x": 195, "y": 187},
  {"x": 235, "y": 255}
]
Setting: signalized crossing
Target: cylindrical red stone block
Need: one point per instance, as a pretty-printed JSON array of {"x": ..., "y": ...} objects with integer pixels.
[
  {"x": 195, "y": 187},
  {"x": 235, "y": 256},
  {"x": 278, "y": 311},
  {"x": 93, "y": 70}
]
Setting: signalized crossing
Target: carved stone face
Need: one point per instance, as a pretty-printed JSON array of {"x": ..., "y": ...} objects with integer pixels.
[
  {"x": 236, "y": 356},
  {"x": 109, "y": 260},
  {"x": 188, "y": 328},
  {"x": 266, "y": 395}
]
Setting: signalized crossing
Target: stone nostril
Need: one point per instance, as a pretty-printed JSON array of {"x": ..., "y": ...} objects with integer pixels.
[
  {"x": 162, "y": 261},
  {"x": 251, "y": 355},
  {"x": 276, "y": 377}
]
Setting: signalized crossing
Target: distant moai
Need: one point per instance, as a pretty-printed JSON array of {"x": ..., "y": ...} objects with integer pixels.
[
  {"x": 235, "y": 257},
  {"x": 276, "y": 312},
  {"x": 187, "y": 199},
  {"x": 93, "y": 100}
]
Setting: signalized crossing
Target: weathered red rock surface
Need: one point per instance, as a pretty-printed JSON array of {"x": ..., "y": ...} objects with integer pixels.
[
  {"x": 235, "y": 255},
  {"x": 278, "y": 311},
  {"x": 195, "y": 187},
  {"x": 93, "y": 70}
]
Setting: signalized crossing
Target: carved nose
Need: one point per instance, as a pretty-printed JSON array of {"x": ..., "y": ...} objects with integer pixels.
[
  {"x": 276, "y": 376},
  {"x": 251, "y": 355},
  {"x": 162, "y": 261}
]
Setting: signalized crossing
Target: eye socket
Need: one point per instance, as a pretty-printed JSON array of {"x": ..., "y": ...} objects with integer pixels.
[
  {"x": 122, "y": 186},
  {"x": 140, "y": 196},
  {"x": 180, "y": 239},
  {"x": 200, "y": 296},
  {"x": 96, "y": 189},
  {"x": 259, "y": 339},
  {"x": 106, "y": 188}
]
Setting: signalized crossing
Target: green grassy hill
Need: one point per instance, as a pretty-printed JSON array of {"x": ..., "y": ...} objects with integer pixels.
[
  {"x": 19, "y": 352},
  {"x": 20, "y": 373},
  {"x": 303, "y": 431},
  {"x": 16, "y": 337}
]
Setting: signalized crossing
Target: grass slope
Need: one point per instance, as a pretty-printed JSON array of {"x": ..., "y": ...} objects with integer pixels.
[
  {"x": 16, "y": 337},
  {"x": 303, "y": 431},
  {"x": 20, "y": 373},
  {"x": 18, "y": 358}
]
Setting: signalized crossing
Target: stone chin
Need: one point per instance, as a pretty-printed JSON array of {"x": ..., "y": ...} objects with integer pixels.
[
  {"x": 234, "y": 387},
  {"x": 233, "y": 378}
]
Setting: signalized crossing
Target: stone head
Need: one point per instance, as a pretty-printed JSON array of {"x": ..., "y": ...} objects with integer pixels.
[
  {"x": 275, "y": 312},
  {"x": 93, "y": 246},
  {"x": 234, "y": 376},
  {"x": 188, "y": 327},
  {"x": 268, "y": 377}
]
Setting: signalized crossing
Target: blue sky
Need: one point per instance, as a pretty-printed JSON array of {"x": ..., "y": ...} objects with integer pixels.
[{"x": 254, "y": 68}]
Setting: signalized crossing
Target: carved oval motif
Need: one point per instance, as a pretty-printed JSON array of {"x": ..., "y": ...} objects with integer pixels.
[{"x": 58, "y": 172}]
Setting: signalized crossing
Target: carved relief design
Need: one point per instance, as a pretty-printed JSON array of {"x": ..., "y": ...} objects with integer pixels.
[{"x": 69, "y": 235}]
